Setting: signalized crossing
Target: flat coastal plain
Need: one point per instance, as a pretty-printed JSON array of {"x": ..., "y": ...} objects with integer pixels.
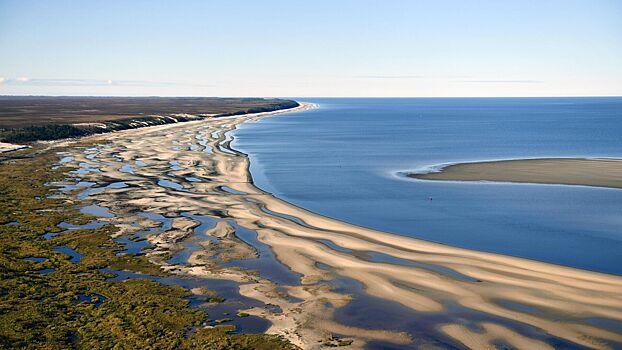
[
  {"x": 460, "y": 298},
  {"x": 563, "y": 171}
]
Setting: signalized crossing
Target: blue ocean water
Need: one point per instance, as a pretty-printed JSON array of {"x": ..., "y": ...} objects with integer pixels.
[{"x": 342, "y": 160}]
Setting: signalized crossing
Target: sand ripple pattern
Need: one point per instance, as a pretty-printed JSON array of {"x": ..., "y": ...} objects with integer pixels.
[{"x": 190, "y": 167}]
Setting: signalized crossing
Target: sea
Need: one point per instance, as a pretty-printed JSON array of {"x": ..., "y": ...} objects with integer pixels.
[{"x": 347, "y": 159}]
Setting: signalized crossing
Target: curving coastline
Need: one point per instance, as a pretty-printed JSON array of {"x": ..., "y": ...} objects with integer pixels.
[
  {"x": 24, "y": 119},
  {"x": 444, "y": 276},
  {"x": 562, "y": 171}
]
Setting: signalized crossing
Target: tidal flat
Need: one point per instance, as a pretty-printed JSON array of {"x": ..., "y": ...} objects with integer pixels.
[
  {"x": 186, "y": 249},
  {"x": 67, "y": 283},
  {"x": 190, "y": 209}
]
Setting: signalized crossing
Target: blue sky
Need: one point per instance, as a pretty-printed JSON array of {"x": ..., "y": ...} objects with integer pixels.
[{"x": 311, "y": 48}]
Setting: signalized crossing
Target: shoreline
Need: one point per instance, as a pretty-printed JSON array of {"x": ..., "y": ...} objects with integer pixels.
[
  {"x": 117, "y": 114},
  {"x": 593, "y": 172},
  {"x": 478, "y": 280}
]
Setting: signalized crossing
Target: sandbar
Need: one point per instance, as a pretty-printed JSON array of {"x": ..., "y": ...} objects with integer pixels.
[{"x": 562, "y": 171}]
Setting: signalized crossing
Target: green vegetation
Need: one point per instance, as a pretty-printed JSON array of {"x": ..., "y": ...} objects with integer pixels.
[
  {"x": 223, "y": 320},
  {"x": 335, "y": 341},
  {"x": 215, "y": 300},
  {"x": 43, "y": 132},
  {"x": 274, "y": 107},
  {"x": 214, "y": 339},
  {"x": 75, "y": 305}
]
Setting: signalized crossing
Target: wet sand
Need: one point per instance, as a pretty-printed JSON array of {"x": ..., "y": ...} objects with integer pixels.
[
  {"x": 191, "y": 168},
  {"x": 563, "y": 171}
]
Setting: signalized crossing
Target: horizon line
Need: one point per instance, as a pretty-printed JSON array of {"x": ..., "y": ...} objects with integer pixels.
[{"x": 302, "y": 97}]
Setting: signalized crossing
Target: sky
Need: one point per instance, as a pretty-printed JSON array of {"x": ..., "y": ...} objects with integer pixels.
[{"x": 328, "y": 48}]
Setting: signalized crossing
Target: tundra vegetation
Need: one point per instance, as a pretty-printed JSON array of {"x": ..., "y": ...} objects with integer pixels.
[
  {"x": 30, "y": 118},
  {"x": 48, "y": 301}
]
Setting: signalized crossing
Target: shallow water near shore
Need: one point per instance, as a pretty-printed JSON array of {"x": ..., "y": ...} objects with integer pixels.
[
  {"x": 342, "y": 160},
  {"x": 331, "y": 279}
]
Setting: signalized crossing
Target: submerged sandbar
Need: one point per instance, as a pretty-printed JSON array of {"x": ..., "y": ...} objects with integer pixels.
[{"x": 563, "y": 171}]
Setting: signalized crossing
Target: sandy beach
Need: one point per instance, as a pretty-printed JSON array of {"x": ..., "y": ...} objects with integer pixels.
[
  {"x": 191, "y": 168},
  {"x": 563, "y": 171}
]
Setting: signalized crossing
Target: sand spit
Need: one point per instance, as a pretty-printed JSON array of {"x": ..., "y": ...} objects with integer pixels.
[
  {"x": 564, "y": 171},
  {"x": 189, "y": 170},
  {"x": 8, "y": 147}
]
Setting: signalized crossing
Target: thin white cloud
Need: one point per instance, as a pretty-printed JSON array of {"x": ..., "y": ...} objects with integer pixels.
[
  {"x": 494, "y": 81},
  {"x": 24, "y": 81},
  {"x": 391, "y": 76}
]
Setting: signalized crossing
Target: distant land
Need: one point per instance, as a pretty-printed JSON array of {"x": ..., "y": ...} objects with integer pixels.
[{"x": 25, "y": 119}]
